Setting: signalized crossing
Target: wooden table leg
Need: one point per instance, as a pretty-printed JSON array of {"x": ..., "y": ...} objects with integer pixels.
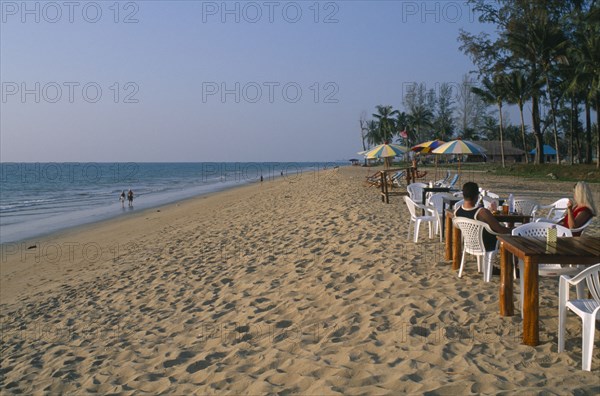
[
  {"x": 456, "y": 247},
  {"x": 383, "y": 193},
  {"x": 507, "y": 307},
  {"x": 531, "y": 305},
  {"x": 448, "y": 226}
]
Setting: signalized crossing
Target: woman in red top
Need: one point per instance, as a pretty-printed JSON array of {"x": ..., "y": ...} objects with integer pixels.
[{"x": 583, "y": 210}]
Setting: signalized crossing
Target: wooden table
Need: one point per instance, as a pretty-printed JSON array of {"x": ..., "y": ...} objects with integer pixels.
[
  {"x": 450, "y": 202},
  {"x": 578, "y": 250},
  {"x": 511, "y": 219},
  {"x": 453, "y": 251},
  {"x": 432, "y": 189}
]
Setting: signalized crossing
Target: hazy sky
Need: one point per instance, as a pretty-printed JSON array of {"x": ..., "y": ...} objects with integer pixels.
[{"x": 213, "y": 81}]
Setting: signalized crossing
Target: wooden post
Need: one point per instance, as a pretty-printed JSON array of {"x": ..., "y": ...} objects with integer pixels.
[
  {"x": 530, "y": 302},
  {"x": 383, "y": 194},
  {"x": 456, "y": 247},
  {"x": 408, "y": 176},
  {"x": 506, "y": 283},
  {"x": 448, "y": 251}
]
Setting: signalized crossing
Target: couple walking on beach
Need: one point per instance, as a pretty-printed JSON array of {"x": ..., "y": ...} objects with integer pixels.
[{"x": 129, "y": 198}]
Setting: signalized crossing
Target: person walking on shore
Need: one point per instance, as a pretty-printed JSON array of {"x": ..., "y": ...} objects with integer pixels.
[
  {"x": 130, "y": 197},
  {"x": 122, "y": 199}
]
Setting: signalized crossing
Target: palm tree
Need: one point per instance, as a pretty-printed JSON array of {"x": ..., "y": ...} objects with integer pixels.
[
  {"x": 518, "y": 90},
  {"x": 363, "y": 132},
  {"x": 492, "y": 92},
  {"x": 420, "y": 117},
  {"x": 586, "y": 73},
  {"x": 541, "y": 41},
  {"x": 373, "y": 135},
  {"x": 385, "y": 118}
]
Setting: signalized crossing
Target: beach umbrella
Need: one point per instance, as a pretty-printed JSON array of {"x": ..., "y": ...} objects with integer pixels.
[
  {"x": 386, "y": 150},
  {"x": 427, "y": 148},
  {"x": 460, "y": 147}
]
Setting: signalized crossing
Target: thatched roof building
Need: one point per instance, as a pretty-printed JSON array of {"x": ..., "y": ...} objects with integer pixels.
[{"x": 511, "y": 154}]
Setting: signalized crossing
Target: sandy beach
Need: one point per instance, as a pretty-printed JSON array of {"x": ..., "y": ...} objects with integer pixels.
[{"x": 303, "y": 285}]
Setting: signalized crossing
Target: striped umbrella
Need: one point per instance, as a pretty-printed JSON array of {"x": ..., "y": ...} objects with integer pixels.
[
  {"x": 427, "y": 148},
  {"x": 460, "y": 147},
  {"x": 386, "y": 151}
]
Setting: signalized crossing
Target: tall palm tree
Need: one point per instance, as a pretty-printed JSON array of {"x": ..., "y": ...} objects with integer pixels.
[
  {"x": 363, "y": 132},
  {"x": 493, "y": 92},
  {"x": 541, "y": 41},
  {"x": 518, "y": 91},
  {"x": 420, "y": 117},
  {"x": 385, "y": 118},
  {"x": 373, "y": 134},
  {"x": 586, "y": 73}
]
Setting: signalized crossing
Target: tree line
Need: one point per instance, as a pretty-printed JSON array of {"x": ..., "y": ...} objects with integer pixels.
[{"x": 544, "y": 58}]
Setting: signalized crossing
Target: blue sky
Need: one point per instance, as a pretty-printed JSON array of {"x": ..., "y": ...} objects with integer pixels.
[{"x": 186, "y": 81}]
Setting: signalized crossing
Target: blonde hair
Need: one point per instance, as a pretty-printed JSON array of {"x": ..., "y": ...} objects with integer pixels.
[{"x": 583, "y": 196}]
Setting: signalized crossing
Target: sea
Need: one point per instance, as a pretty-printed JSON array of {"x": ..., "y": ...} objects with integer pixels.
[{"x": 41, "y": 198}]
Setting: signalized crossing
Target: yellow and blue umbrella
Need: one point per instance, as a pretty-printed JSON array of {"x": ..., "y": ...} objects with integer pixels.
[
  {"x": 460, "y": 147},
  {"x": 386, "y": 150}
]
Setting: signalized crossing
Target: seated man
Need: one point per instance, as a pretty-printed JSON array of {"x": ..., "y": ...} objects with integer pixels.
[{"x": 469, "y": 209}]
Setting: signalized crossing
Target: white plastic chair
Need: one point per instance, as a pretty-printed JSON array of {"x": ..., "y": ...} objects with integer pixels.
[
  {"x": 415, "y": 191},
  {"x": 488, "y": 202},
  {"x": 436, "y": 201},
  {"x": 556, "y": 210},
  {"x": 582, "y": 228},
  {"x": 540, "y": 230},
  {"x": 458, "y": 204},
  {"x": 574, "y": 231},
  {"x": 587, "y": 309},
  {"x": 525, "y": 206},
  {"x": 430, "y": 219},
  {"x": 472, "y": 235},
  {"x": 492, "y": 195}
]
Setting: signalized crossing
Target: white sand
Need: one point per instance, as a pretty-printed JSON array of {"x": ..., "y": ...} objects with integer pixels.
[{"x": 296, "y": 286}]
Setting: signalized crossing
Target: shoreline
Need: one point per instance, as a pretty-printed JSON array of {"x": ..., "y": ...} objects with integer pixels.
[
  {"x": 182, "y": 181},
  {"x": 81, "y": 243},
  {"x": 121, "y": 216}
]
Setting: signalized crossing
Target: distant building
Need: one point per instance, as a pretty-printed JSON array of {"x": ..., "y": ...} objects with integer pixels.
[
  {"x": 493, "y": 154},
  {"x": 355, "y": 162},
  {"x": 549, "y": 153}
]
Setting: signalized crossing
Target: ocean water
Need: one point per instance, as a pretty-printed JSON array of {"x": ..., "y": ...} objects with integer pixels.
[{"x": 40, "y": 198}]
